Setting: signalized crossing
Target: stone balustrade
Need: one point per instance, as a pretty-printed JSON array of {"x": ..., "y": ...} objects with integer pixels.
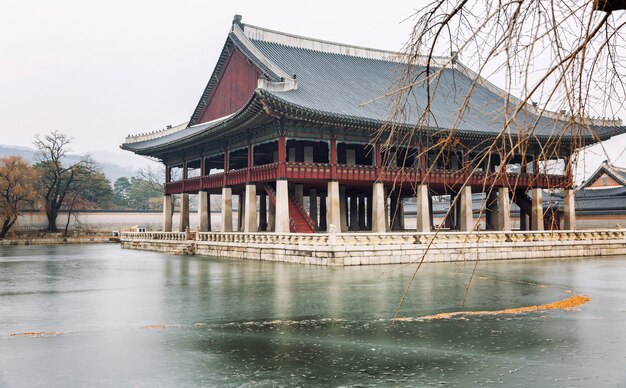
[
  {"x": 342, "y": 249},
  {"x": 411, "y": 238},
  {"x": 160, "y": 236}
]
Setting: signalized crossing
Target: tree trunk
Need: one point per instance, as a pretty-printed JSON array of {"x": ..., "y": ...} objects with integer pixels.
[
  {"x": 6, "y": 226},
  {"x": 52, "y": 220}
]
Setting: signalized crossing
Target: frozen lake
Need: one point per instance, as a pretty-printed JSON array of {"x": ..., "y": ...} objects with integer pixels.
[{"x": 98, "y": 315}]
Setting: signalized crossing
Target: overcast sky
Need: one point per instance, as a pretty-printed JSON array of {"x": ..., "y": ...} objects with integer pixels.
[{"x": 100, "y": 70}]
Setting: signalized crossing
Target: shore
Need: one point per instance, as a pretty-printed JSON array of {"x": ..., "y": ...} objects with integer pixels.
[{"x": 58, "y": 240}]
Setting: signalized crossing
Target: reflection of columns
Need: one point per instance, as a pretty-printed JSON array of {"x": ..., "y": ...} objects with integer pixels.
[
  {"x": 343, "y": 209},
  {"x": 282, "y": 206},
  {"x": 354, "y": 215},
  {"x": 378, "y": 208},
  {"x": 167, "y": 213},
  {"x": 536, "y": 217},
  {"x": 271, "y": 216},
  {"x": 466, "y": 222},
  {"x": 184, "y": 212},
  {"x": 323, "y": 214},
  {"x": 249, "y": 224},
  {"x": 569, "y": 210},
  {"x": 333, "y": 219},
  {"x": 299, "y": 193},
  {"x": 424, "y": 205},
  {"x": 313, "y": 207},
  {"x": 262, "y": 212},
  {"x": 203, "y": 214},
  {"x": 227, "y": 209},
  {"x": 362, "y": 225},
  {"x": 504, "y": 209}
]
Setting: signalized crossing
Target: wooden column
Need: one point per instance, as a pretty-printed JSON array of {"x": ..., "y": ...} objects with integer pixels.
[
  {"x": 250, "y": 163},
  {"x": 333, "y": 160},
  {"x": 282, "y": 157},
  {"x": 226, "y": 166}
]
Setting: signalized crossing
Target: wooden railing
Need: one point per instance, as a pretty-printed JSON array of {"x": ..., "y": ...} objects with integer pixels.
[{"x": 358, "y": 173}]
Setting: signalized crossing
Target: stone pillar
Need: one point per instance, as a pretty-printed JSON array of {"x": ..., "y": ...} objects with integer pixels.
[
  {"x": 271, "y": 216},
  {"x": 393, "y": 210},
  {"x": 227, "y": 209},
  {"x": 184, "y": 212},
  {"x": 241, "y": 211},
  {"x": 504, "y": 209},
  {"x": 343, "y": 209},
  {"x": 354, "y": 215},
  {"x": 362, "y": 225},
  {"x": 537, "y": 209},
  {"x": 263, "y": 212},
  {"x": 208, "y": 212},
  {"x": 400, "y": 212},
  {"x": 282, "y": 207},
  {"x": 569, "y": 209},
  {"x": 203, "y": 214},
  {"x": 491, "y": 211},
  {"x": 379, "y": 224},
  {"x": 333, "y": 219},
  {"x": 313, "y": 206},
  {"x": 167, "y": 213},
  {"x": 368, "y": 225},
  {"x": 299, "y": 193},
  {"x": 249, "y": 222},
  {"x": 424, "y": 205},
  {"x": 323, "y": 213},
  {"x": 466, "y": 222}
]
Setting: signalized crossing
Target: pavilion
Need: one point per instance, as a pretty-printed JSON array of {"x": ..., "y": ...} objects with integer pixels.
[{"x": 287, "y": 123}]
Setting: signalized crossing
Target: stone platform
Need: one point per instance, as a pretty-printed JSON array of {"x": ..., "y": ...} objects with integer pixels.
[{"x": 384, "y": 248}]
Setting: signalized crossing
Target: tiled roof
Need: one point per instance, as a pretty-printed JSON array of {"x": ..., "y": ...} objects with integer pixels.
[{"x": 345, "y": 83}]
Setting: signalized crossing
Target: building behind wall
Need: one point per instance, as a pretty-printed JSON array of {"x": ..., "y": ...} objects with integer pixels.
[{"x": 284, "y": 125}]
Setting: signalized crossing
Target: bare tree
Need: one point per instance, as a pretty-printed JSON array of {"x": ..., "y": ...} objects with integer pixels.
[
  {"x": 16, "y": 190},
  {"x": 563, "y": 59},
  {"x": 57, "y": 177}
]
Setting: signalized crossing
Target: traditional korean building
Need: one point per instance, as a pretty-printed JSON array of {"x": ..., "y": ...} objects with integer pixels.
[{"x": 288, "y": 124}]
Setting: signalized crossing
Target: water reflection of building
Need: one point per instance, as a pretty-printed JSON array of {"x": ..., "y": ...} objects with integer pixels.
[{"x": 283, "y": 125}]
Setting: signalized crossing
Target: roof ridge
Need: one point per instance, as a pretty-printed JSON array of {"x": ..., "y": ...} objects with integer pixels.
[{"x": 292, "y": 40}]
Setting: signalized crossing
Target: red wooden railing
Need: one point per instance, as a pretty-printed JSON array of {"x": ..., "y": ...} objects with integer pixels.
[{"x": 356, "y": 173}]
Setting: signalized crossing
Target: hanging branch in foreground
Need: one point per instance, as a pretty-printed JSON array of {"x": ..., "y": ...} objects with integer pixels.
[{"x": 562, "y": 59}]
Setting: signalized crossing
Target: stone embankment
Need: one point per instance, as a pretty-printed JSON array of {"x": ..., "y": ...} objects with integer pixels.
[
  {"x": 58, "y": 240},
  {"x": 384, "y": 248}
]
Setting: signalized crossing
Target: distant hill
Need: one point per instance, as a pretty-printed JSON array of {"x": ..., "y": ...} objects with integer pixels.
[{"x": 113, "y": 165}]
